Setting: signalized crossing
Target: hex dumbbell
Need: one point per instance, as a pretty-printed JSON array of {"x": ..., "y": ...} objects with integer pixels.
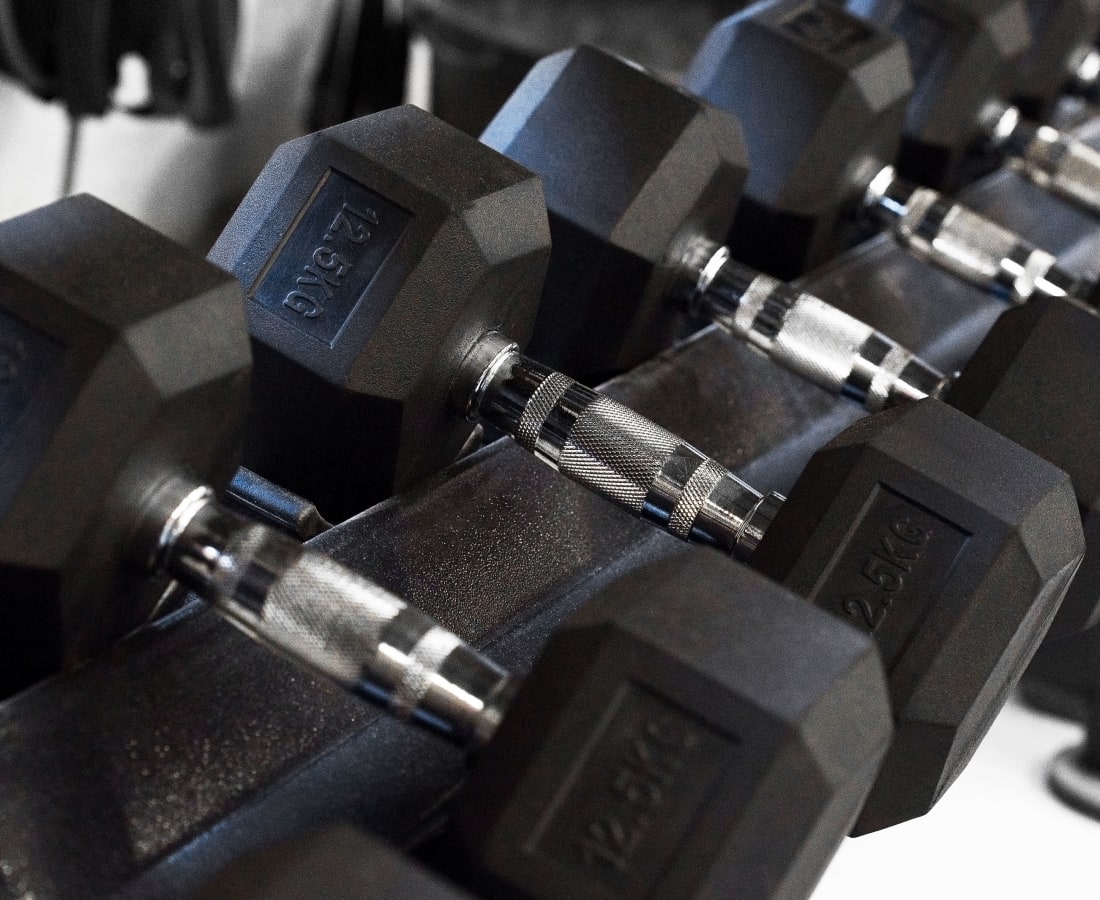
[
  {"x": 822, "y": 169},
  {"x": 126, "y": 393},
  {"x": 906, "y": 496},
  {"x": 1022, "y": 381},
  {"x": 1062, "y": 59},
  {"x": 662, "y": 713},
  {"x": 657, "y": 746},
  {"x": 124, "y": 408},
  {"x": 964, "y": 54}
]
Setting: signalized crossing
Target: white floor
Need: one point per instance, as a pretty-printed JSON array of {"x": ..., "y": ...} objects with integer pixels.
[{"x": 997, "y": 833}]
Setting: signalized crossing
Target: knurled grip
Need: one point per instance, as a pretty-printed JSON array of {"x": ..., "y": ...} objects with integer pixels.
[
  {"x": 621, "y": 455},
  {"x": 959, "y": 240},
  {"x": 1062, "y": 165},
  {"x": 331, "y": 620},
  {"x": 971, "y": 246},
  {"x": 817, "y": 341}
]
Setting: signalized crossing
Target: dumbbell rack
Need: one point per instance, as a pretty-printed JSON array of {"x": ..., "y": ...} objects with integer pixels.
[{"x": 143, "y": 772}]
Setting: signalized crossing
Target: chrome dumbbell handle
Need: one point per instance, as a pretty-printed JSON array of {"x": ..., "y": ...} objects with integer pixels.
[
  {"x": 615, "y": 452},
  {"x": 808, "y": 336},
  {"x": 1051, "y": 158},
  {"x": 1084, "y": 79},
  {"x": 965, "y": 243},
  {"x": 327, "y": 618}
]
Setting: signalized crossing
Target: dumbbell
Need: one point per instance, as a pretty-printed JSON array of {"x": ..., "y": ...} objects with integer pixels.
[
  {"x": 1062, "y": 58},
  {"x": 969, "y": 78},
  {"x": 122, "y": 407},
  {"x": 588, "y": 110},
  {"x": 963, "y": 55},
  {"x": 1023, "y": 381},
  {"x": 660, "y": 733},
  {"x": 950, "y": 543},
  {"x": 822, "y": 97},
  {"x": 127, "y": 399}
]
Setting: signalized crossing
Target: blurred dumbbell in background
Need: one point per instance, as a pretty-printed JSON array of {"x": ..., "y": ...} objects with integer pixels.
[{"x": 620, "y": 296}]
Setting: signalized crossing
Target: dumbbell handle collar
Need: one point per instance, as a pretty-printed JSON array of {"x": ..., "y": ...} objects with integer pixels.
[
  {"x": 613, "y": 451},
  {"x": 1084, "y": 78},
  {"x": 325, "y": 617},
  {"x": 821, "y": 343},
  {"x": 1052, "y": 159},
  {"x": 959, "y": 240}
]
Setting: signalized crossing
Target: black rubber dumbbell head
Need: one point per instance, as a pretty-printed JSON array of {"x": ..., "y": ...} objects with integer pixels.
[
  {"x": 963, "y": 55},
  {"x": 604, "y": 135},
  {"x": 1060, "y": 31},
  {"x": 914, "y": 524},
  {"x": 1030, "y": 379},
  {"x": 369, "y": 271},
  {"x": 969, "y": 700},
  {"x": 724, "y": 733},
  {"x": 101, "y": 395},
  {"x": 821, "y": 97}
]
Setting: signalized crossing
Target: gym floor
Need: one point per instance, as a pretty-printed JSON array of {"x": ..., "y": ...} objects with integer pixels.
[{"x": 998, "y": 832}]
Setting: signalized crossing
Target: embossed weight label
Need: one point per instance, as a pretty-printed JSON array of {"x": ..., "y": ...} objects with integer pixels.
[
  {"x": 26, "y": 357},
  {"x": 330, "y": 257},
  {"x": 892, "y": 569},
  {"x": 629, "y": 799},
  {"x": 826, "y": 28}
]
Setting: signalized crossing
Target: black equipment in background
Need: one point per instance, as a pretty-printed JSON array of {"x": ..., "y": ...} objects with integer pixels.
[{"x": 69, "y": 50}]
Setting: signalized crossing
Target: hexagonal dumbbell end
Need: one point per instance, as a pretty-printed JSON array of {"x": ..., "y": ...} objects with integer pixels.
[
  {"x": 99, "y": 387},
  {"x": 963, "y": 55},
  {"x": 695, "y": 730},
  {"x": 125, "y": 363},
  {"x": 1062, "y": 56},
  {"x": 821, "y": 96},
  {"x": 369, "y": 270},
  {"x": 1022, "y": 381},
  {"x": 821, "y": 168},
  {"x": 633, "y": 169},
  {"x": 953, "y": 547},
  {"x": 1028, "y": 379}
]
